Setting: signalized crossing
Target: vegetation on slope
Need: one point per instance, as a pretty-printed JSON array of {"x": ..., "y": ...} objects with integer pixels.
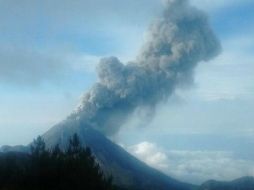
[{"x": 55, "y": 169}]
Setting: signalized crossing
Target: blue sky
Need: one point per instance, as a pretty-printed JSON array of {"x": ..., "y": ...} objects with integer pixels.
[{"x": 48, "y": 56}]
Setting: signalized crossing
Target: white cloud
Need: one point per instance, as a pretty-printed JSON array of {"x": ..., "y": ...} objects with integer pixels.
[
  {"x": 231, "y": 75},
  {"x": 33, "y": 66},
  {"x": 215, "y": 5},
  {"x": 47, "y": 41},
  {"x": 193, "y": 166},
  {"x": 82, "y": 62},
  {"x": 150, "y": 154},
  {"x": 18, "y": 65}
]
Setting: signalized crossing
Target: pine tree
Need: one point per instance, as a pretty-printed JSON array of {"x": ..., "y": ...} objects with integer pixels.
[{"x": 56, "y": 169}]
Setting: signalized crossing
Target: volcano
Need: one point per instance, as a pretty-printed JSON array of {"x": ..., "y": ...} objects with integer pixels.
[{"x": 128, "y": 172}]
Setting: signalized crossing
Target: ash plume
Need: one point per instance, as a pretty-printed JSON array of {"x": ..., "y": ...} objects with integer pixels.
[{"x": 178, "y": 41}]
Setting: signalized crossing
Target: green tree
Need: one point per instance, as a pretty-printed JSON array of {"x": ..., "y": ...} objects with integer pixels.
[
  {"x": 56, "y": 169},
  {"x": 38, "y": 147}
]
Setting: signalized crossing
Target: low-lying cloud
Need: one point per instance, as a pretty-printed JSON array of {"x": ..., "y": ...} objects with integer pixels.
[{"x": 193, "y": 166}]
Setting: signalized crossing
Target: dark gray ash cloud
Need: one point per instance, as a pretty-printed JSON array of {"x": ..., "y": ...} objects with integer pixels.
[{"x": 177, "y": 42}]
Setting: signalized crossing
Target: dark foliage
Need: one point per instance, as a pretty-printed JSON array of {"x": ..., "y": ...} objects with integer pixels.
[{"x": 44, "y": 169}]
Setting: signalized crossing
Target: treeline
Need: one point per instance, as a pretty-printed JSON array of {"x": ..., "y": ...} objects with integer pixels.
[{"x": 42, "y": 169}]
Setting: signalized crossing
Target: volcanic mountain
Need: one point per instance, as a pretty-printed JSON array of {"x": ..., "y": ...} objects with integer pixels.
[{"x": 128, "y": 172}]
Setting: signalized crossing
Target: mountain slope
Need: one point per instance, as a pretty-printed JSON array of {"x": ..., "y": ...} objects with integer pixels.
[{"x": 128, "y": 172}]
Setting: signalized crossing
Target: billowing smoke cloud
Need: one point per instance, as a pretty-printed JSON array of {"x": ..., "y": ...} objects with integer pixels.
[{"x": 177, "y": 42}]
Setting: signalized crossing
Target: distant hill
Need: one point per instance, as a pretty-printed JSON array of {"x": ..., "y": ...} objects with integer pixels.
[
  {"x": 18, "y": 148},
  {"x": 244, "y": 183}
]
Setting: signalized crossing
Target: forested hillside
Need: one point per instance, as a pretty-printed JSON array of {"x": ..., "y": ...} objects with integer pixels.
[{"x": 74, "y": 168}]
